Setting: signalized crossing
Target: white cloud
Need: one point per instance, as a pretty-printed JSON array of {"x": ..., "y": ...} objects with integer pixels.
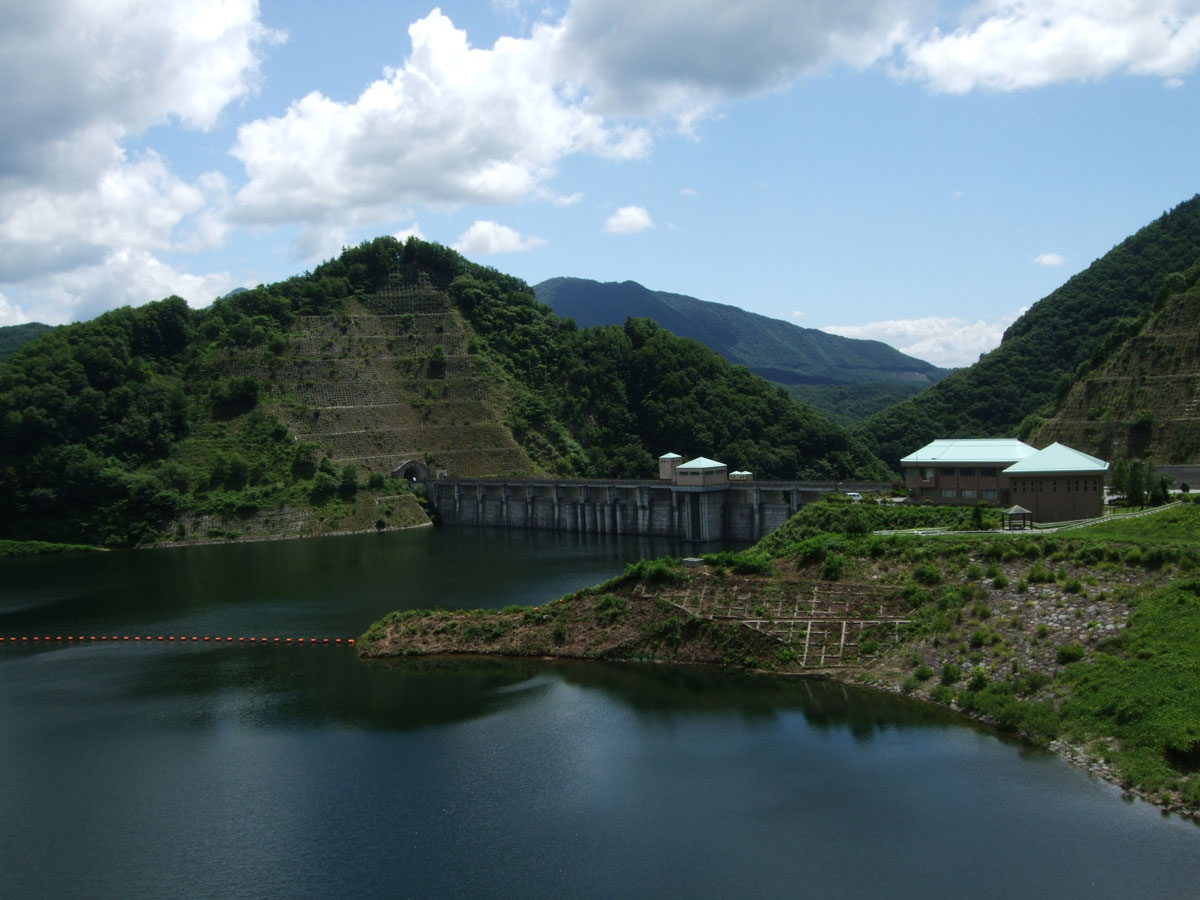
[
  {"x": 798, "y": 314},
  {"x": 491, "y": 237},
  {"x": 688, "y": 192},
  {"x": 1049, "y": 259},
  {"x": 682, "y": 59},
  {"x": 454, "y": 124},
  {"x": 121, "y": 278},
  {"x": 91, "y": 73},
  {"x": 413, "y": 230},
  {"x": 628, "y": 220},
  {"x": 10, "y": 315},
  {"x": 73, "y": 204},
  {"x": 942, "y": 341},
  {"x": 1007, "y": 45}
]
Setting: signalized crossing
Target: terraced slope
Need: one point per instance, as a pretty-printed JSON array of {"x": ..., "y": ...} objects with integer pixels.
[
  {"x": 1145, "y": 399},
  {"x": 389, "y": 382}
]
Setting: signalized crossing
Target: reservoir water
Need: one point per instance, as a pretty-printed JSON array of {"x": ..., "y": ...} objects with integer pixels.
[{"x": 134, "y": 770}]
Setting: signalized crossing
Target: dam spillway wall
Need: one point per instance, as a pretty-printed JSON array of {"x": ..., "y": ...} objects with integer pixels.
[{"x": 745, "y": 511}]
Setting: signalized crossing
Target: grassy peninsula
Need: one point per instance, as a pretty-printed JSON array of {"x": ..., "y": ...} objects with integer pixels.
[{"x": 1087, "y": 641}]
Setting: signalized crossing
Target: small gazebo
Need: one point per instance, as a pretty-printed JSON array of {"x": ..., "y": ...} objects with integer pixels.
[{"x": 1016, "y": 518}]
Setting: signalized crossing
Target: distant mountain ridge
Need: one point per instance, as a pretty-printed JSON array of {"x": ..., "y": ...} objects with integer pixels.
[
  {"x": 778, "y": 351},
  {"x": 12, "y": 337}
]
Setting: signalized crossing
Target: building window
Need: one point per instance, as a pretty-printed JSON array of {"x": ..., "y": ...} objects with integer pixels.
[
  {"x": 968, "y": 473},
  {"x": 968, "y": 494},
  {"x": 988, "y": 473},
  {"x": 947, "y": 471},
  {"x": 926, "y": 492},
  {"x": 989, "y": 495},
  {"x": 948, "y": 493},
  {"x": 928, "y": 475}
]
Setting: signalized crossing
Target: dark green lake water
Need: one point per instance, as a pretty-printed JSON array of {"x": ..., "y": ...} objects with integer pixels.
[{"x": 131, "y": 771}]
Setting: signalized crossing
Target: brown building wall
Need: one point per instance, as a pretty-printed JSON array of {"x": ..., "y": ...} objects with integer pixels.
[
  {"x": 1059, "y": 497},
  {"x": 956, "y": 483}
]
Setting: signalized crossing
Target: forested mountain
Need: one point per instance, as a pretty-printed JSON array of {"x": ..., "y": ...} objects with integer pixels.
[
  {"x": 283, "y": 409},
  {"x": 13, "y": 336},
  {"x": 1139, "y": 395},
  {"x": 1042, "y": 351},
  {"x": 836, "y": 374}
]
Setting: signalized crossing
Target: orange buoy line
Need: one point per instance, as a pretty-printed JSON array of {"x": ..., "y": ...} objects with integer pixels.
[{"x": 115, "y": 638}]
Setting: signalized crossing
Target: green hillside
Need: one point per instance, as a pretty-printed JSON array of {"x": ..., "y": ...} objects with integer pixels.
[
  {"x": 1142, "y": 397},
  {"x": 12, "y": 337},
  {"x": 816, "y": 367},
  {"x": 284, "y": 409},
  {"x": 1042, "y": 351}
]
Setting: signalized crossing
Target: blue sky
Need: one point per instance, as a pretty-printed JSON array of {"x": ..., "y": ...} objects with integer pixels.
[{"x": 906, "y": 170}]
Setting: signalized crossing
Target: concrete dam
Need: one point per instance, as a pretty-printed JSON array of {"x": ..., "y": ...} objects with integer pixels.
[{"x": 726, "y": 510}]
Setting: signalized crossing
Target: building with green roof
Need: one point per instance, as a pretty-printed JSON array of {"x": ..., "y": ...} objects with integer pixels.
[
  {"x": 1059, "y": 484},
  {"x": 1055, "y": 484}
]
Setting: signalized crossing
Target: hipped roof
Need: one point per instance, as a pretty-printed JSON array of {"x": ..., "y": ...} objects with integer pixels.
[
  {"x": 971, "y": 450},
  {"x": 701, "y": 462},
  {"x": 1057, "y": 458}
]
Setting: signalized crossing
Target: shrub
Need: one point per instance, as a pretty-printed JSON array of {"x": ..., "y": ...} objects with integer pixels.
[
  {"x": 653, "y": 571},
  {"x": 832, "y": 568},
  {"x": 609, "y": 609},
  {"x": 750, "y": 564},
  {"x": 941, "y": 693},
  {"x": 978, "y": 680},
  {"x": 951, "y": 674},
  {"x": 1069, "y": 653},
  {"x": 1040, "y": 574},
  {"x": 923, "y": 673},
  {"x": 927, "y": 573},
  {"x": 1000, "y": 582}
]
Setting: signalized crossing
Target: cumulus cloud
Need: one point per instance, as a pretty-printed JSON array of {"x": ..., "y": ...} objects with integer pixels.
[
  {"x": 491, "y": 237},
  {"x": 944, "y": 342},
  {"x": 1049, "y": 259},
  {"x": 413, "y": 230},
  {"x": 122, "y": 278},
  {"x": 1007, "y": 45},
  {"x": 73, "y": 202},
  {"x": 454, "y": 124},
  {"x": 91, "y": 73},
  {"x": 10, "y": 315},
  {"x": 681, "y": 59},
  {"x": 628, "y": 220}
]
